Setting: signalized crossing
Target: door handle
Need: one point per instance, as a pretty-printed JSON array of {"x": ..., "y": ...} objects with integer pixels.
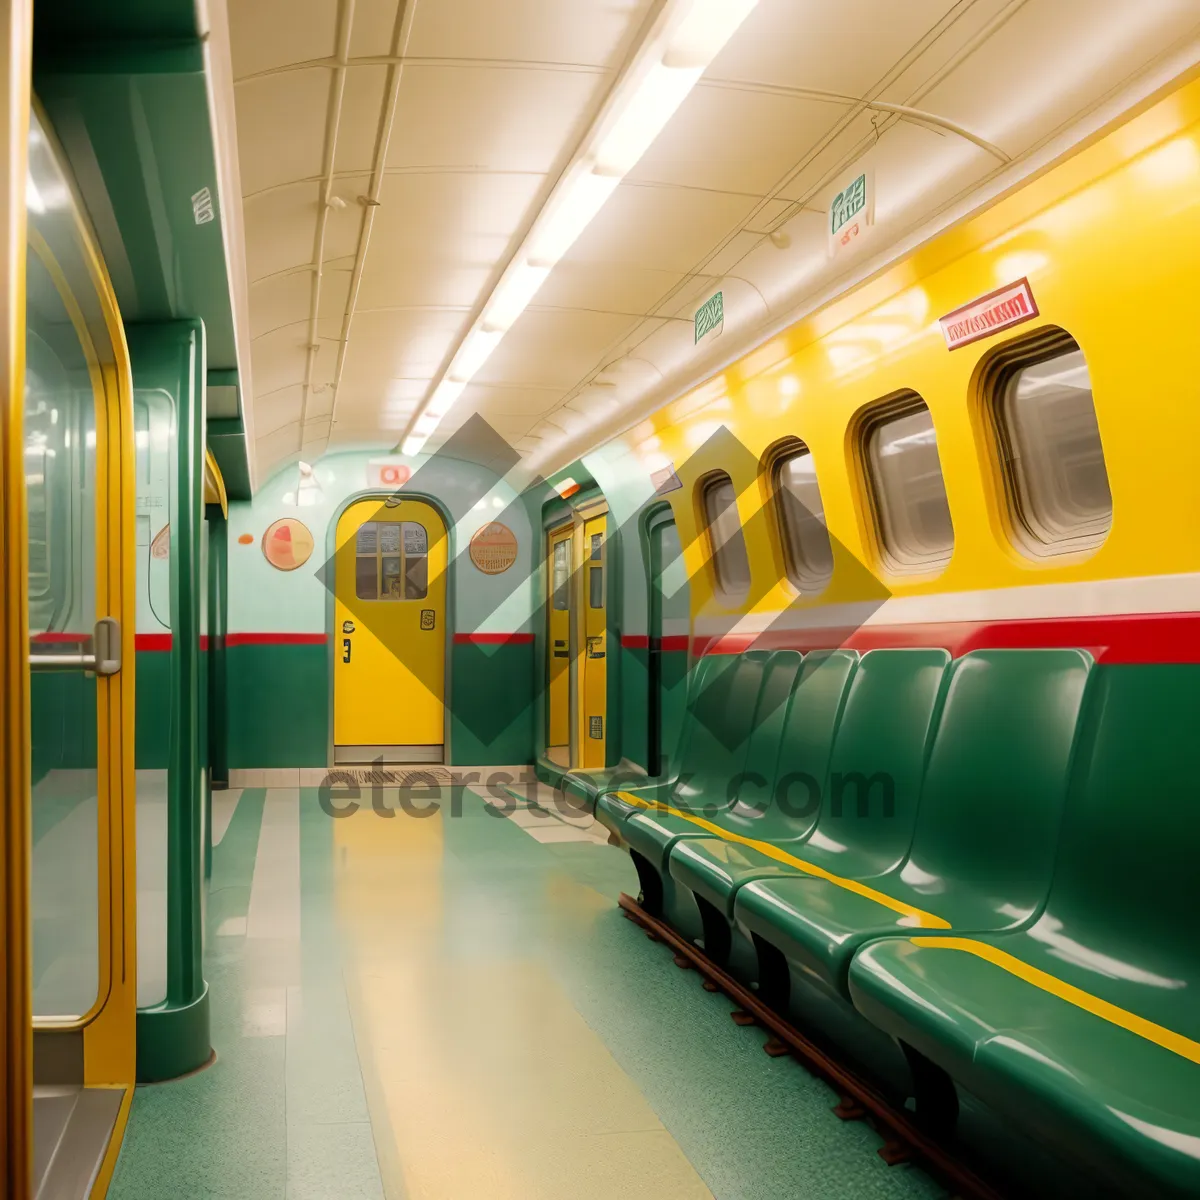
[{"x": 104, "y": 659}]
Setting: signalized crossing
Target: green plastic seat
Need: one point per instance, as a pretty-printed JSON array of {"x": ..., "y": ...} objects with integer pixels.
[
  {"x": 987, "y": 823},
  {"x": 869, "y": 796},
  {"x": 710, "y": 687},
  {"x": 721, "y": 767},
  {"x": 1085, "y": 1027}
]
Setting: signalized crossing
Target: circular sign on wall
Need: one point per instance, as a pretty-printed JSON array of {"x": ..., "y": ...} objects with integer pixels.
[
  {"x": 287, "y": 544},
  {"x": 494, "y": 548}
]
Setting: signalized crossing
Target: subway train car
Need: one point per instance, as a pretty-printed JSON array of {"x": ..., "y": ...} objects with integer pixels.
[{"x": 598, "y": 599}]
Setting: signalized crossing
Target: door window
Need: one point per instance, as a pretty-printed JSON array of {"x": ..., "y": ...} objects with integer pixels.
[{"x": 391, "y": 561}]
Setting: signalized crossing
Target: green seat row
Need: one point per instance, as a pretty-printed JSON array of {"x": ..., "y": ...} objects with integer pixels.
[{"x": 892, "y": 829}]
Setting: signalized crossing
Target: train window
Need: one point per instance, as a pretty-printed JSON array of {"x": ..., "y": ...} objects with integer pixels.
[
  {"x": 595, "y": 587},
  {"x": 562, "y": 574},
  {"x": 1054, "y": 462},
  {"x": 905, "y": 474},
  {"x": 807, "y": 553},
  {"x": 730, "y": 563},
  {"x": 391, "y": 561}
]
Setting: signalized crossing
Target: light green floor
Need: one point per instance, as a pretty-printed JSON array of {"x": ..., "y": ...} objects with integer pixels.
[{"x": 447, "y": 1008}]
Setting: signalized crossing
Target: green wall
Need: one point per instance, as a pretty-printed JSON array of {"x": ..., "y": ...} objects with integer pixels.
[{"x": 277, "y": 704}]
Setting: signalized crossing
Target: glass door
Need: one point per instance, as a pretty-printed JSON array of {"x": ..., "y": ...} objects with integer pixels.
[{"x": 78, "y": 447}]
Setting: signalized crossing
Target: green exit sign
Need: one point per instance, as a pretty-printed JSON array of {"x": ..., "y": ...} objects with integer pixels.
[{"x": 710, "y": 316}]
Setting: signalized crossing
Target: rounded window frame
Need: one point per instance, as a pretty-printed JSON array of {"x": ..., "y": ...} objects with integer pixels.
[
  {"x": 899, "y": 403},
  {"x": 773, "y": 462},
  {"x": 728, "y": 597},
  {"x": 994, "y": 375}
]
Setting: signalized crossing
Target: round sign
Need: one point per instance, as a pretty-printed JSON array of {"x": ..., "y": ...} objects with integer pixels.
[
  {"x": 287, "y": 544},
  {"x": 494, "y": 548}
]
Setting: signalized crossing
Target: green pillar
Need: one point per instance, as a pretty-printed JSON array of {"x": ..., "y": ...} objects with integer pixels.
[
  {"x": 173, "y": 1036},
  {"x": 218, "y": 605}
]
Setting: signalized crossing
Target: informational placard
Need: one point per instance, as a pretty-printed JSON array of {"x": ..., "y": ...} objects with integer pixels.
[
  {"x": 710, "y": 318},
  {"x": 287, "y": 544},
  {"x": 387, "y": 473},
  {"x": 493, "y": 549},
  {"x": 1001, "y": 309},
  {"x": 852, "y": 211}
]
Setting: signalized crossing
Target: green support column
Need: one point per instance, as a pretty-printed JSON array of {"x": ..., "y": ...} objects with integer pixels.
[
  {"x": 173, "y": 1037},
  {"x": 218, "y": 603}
]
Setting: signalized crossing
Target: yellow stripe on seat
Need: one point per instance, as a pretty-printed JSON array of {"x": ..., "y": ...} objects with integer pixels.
[
  {"x": 919, "y": 916},
  {"x": 1160, "y": 1036}
]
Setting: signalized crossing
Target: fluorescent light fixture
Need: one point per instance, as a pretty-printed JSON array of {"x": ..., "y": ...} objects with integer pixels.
[
  {"x": 571, "y": 214},
  {"x": 512, "y": 297},
  {"x": 444, "y": 396},
  {"x": 670, "y": 65},
  {"x": 702, "y": 34},
  {"x": 642, "y": 119},
  {"x": 473, "y": 353}
]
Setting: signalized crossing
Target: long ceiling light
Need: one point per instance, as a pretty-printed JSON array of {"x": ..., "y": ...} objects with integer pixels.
[{"x": 676, "y": 54}]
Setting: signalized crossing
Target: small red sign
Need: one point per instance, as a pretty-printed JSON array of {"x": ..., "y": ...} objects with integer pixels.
[{"x": 1001, "y": 309}]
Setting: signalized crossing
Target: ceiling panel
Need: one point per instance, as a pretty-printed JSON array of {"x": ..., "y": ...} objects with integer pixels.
[
  {"x": 668, "y": 229},
  {"x": 271, "y": 33},
  {"x": 399, "y": 344},
  {"x": 605, "y": 287},
  {"x": 504, "y": 400},
  {"x": 374, "y": 27},
  {"x": 836, "y": 156},
  {"x": 281, "y": 127},
  {"x": 279, "y": 229},
  {"x": 280, "y": 408},
  {"x": 503, "y": 119},
  {"x": 273, "y": 448},
  {"x": 358, "y": 125},
  {"x": 1109, "y": 40},
  {"x": 845, "y": 47},
  {"x": 436, "y": 238},
  {"x": 552, "y": 348},
  {"x": 282, "y": 299},
  {"x": 735, "y": 141},
  {"x": 532, "y": 30},
  {"x": 279, "y": 357}
]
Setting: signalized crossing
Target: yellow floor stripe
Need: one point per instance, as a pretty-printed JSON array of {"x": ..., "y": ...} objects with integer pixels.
[
  {"x": 924, "y": 919},
  {"x": 1160, "y": 1036}
]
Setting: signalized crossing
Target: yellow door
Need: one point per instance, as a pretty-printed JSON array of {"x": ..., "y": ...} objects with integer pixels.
[
  {"x": 558, "y": 741},
  {"x": 389, "y": 671},
  {"x": 75, "y": 605},
  {"x": 594, "y": 674}
]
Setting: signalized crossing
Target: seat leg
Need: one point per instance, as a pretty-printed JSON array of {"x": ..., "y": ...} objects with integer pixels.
[
  {"x": 774, "y": 978},
  {"x": 718, "y": 941},
  {"x": 934, "y": 1091},
  {"x": 651, "y": 898}
]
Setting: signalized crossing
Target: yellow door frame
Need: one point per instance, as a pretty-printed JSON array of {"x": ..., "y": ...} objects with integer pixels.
[
  {"x": 558, "y": 682},
  {"x": 107, "y": 1030},
  {"x": 335, "y": 636},
  {"x": 16, "y": 991},
  {"x": 588, "y": 510}
]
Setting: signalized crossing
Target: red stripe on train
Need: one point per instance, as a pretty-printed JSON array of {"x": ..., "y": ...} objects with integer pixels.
[
  {"x": 275, "y": 639},
  {"x": 1129, "y": 638},
  {"x": 641, "y": 641}
]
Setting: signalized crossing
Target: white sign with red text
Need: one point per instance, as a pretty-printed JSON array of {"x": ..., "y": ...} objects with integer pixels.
[
  {"x": 989, "y": 314},
  {"x": 387, "y": 473}
]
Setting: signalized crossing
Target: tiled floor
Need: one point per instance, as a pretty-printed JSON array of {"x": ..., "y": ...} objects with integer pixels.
[{"x": 451, "y": 1006}]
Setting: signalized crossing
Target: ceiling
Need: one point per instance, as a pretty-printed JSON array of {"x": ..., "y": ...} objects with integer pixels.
[{"x": 437, "y": 129}]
